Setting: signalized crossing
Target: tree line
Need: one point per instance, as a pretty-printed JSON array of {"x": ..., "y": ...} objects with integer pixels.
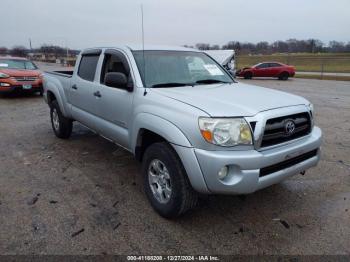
[
  {"x": 22, "y": 51},
  {"x": 288, "y": 46}
]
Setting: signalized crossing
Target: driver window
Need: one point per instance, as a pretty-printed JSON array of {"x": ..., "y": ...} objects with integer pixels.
[
  {"x": 262, "y": 66},
  {"x": 113, "y": 63}
]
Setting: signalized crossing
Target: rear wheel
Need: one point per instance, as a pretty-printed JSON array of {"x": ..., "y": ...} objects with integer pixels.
[
  {"x": 165, "y": 181},
  {"x": 283, "y": 76},
  {"x": 248, "y": 75},
  {"x": 61, "y": 125}
]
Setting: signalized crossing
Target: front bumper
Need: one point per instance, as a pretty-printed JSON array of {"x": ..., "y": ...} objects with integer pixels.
[
  {"x": 244, "y": 174},
  {"x": 19, "y": 88}
]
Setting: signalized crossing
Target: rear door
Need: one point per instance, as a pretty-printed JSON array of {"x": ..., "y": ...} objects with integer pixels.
[
  {"x": 274, "y": 69},
  {"x": 83, "y": 87},
  {"x": 115, "y": 104}
]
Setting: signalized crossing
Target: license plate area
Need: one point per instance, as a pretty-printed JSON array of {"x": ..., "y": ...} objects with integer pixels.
[{"x": 27, "y": 87}]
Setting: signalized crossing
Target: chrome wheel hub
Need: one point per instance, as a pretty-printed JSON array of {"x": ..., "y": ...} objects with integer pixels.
[
  {"x": 55, "y": 120},
  {"x": 159, "y": 181}
]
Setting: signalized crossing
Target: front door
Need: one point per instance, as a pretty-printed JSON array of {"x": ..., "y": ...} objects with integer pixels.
[
  {"x": 115, "y": 104},
  {"x": 261, "y": 70}
]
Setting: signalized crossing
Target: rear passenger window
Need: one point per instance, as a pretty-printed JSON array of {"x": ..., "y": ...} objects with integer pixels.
[{"x": 87, "y": 67}]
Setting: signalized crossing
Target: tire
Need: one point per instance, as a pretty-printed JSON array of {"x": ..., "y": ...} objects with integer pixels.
[
  {"x": 283, "y": 76},
  {"x": 61, "y": 125},
  {"x": 160, "y": 159},
  {"x": 248, "y": 75}
]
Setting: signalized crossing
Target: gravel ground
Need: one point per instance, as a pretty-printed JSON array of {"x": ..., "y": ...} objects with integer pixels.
[{"x": 84, "y": 196}]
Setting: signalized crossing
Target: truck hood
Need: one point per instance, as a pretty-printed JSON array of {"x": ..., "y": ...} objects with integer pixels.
[{"x": 237, "y": 99}]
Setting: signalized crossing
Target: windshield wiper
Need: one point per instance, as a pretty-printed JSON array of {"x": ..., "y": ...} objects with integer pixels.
[
  {"x": 211, "y": 81},
  {"x": 172, "y": 84}
]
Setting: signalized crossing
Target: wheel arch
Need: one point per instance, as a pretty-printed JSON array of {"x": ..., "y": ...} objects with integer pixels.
[
  {"x": 150, "y": 128},
  {"x": 249, "y": 72},
  {"x": 50, "y": 97},
  {"x": 163, "y": 130},
  {"x": 54, "y": 90}
]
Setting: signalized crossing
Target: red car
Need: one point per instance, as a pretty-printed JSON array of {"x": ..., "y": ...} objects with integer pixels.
[
  {"x": 19, "y": 74},
  {"x": 267, "y": 69}
]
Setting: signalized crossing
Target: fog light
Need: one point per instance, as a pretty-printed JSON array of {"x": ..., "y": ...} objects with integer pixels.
[
  {"x": 223, "y": 172},
  {"x": 4, "y": 84}
]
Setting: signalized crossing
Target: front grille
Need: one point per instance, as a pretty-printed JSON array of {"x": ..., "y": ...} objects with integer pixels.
[
  {"x": 287, "y": 163},
  {"x": 276, "y": 133},
  {"x": 25, "y": 78}
]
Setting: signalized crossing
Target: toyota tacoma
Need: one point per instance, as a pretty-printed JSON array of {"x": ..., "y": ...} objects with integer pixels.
[{"x": 184, "y": 117}]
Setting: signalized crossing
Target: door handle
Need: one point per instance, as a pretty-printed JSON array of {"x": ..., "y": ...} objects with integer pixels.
[
  {"x": 97, "y": 94},
  {"x": 74, "y": 87}
]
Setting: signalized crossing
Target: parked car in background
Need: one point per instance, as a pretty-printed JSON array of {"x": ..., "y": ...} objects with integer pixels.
[
  {"x": 19, "y": 74},
  {"x": 267, "y": 69},
  {"x": 226, "y": 58}
]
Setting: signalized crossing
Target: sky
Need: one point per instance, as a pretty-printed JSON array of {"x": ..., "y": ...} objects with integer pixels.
[{"x": 85, "y": 23}]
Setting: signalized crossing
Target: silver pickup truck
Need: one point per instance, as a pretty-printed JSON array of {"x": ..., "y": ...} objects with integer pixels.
[{"x": 190, "y": 124}]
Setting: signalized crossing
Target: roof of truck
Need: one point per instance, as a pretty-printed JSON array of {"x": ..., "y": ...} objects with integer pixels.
[
  {"x": 160, "y": 47},
  {"x": 138, "y": 47}
]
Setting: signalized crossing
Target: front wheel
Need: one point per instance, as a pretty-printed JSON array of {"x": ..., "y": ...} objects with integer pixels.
[
  {"x": 165, "y": 181},
  {"x": 248, "y": 75},
  {"x": 61, "y": 125}
]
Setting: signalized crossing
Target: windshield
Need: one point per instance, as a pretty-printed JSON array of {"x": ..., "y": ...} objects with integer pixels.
[
  {"x": 179, "y": 68},
  {"x": 17, "y": 64}
]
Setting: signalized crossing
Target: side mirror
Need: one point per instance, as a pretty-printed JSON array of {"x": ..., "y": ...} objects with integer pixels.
[{"x": 118, "y": 80}]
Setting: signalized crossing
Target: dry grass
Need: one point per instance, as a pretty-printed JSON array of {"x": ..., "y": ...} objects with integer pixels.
[{"x": 325, "y": 77}]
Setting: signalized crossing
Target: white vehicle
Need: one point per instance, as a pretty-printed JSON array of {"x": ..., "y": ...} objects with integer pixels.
[{"x": 226, "y": 58}]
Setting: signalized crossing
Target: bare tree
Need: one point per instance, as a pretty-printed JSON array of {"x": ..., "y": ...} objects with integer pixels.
[
  {"x": 3, "y": 50},
  {"x": 18, "y": 51},
  {"x": 57, "y": 51},
  {"x": 263, "y": 47},
  {"x": 336, "y": 46},
  {"x": 202, "y": 46}
]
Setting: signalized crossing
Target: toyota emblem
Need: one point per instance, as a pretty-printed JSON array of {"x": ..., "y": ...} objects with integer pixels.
[{"x": 289, "y": 127}]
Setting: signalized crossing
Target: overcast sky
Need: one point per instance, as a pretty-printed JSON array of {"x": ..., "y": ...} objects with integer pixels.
[{"x": 86, "y": 23}]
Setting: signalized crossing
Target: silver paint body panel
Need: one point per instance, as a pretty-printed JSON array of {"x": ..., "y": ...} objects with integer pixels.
[{"x": 173, "y": 113}]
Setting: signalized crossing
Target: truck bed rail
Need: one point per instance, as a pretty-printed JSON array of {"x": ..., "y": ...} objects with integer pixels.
[{"x": 67, "y": 73}]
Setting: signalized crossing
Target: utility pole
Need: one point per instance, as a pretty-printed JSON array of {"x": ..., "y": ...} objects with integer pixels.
[
  {"x": 67, "y": 53},
  {"x": 67, "y": 56}
]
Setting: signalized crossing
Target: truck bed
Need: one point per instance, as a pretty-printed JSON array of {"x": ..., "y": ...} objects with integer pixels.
[{"x": 68, "y": 73}]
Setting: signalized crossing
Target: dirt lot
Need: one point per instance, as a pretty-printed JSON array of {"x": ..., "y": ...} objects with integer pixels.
[{"x": 83, "y": 195}]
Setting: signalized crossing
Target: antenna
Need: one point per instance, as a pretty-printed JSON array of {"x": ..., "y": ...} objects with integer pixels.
[{"x": 143, "y": 51}]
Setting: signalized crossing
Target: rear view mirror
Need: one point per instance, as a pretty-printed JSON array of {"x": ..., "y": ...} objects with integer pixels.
[{"x": 118, "y": 80}]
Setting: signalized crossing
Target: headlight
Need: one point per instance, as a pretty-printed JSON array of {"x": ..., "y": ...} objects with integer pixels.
[
  {"x": 2, "y": 75},
  {"x": 225, "y": 131},
  {"x": 311, "y": 107}
]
